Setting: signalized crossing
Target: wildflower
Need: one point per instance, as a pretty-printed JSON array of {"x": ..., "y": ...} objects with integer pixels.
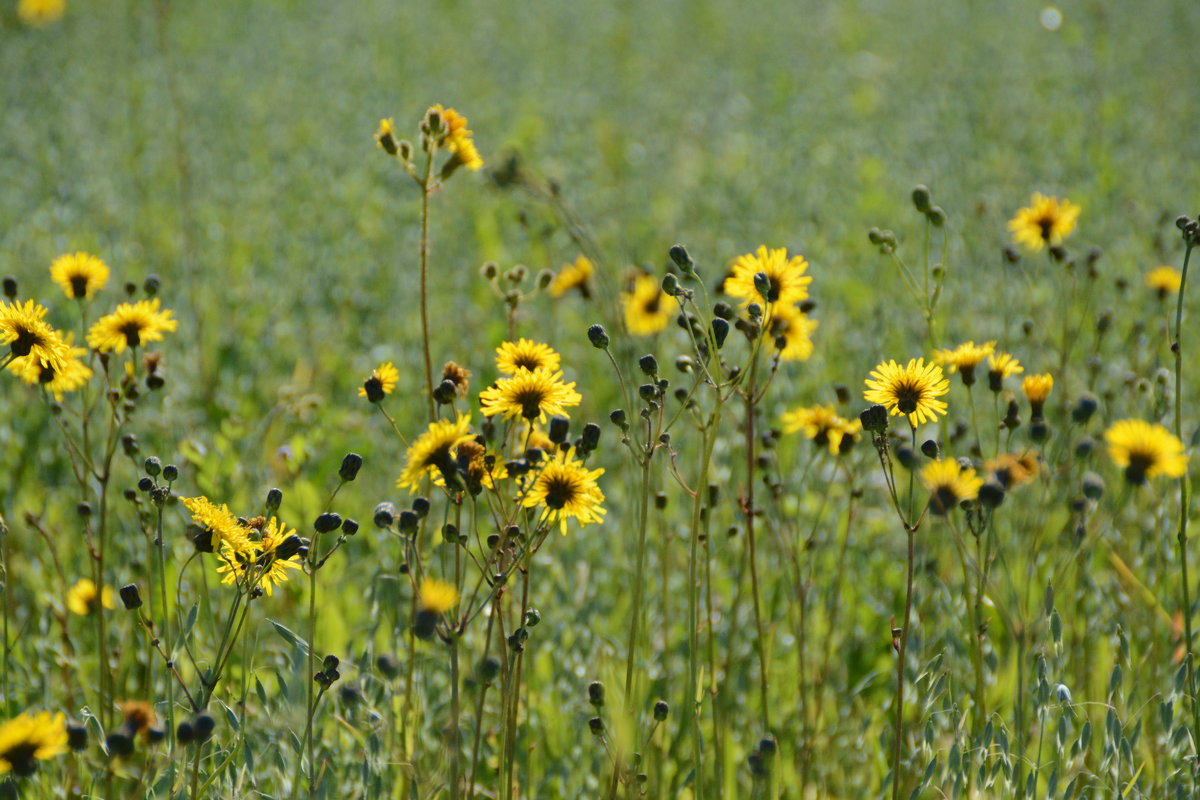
[
  {"x": 131, "y": 325},
  {"x": 1013, "y": 469},
  {"x": 1045, "y": 221},
  {"x": 29, "y": 738},
  {"x": 458, "y": 375},
  {"x": 263, "y": 563},
  {"x": 532, "y": 395},
  {"x": 647, "y": 309},
  {"x": 83, "y": 597},
  {"x": 457, "y": 139},
  {"x": 68, "y": 377},
  {"x": 523, "y": 354},
  {"x": 577, "y": 275},
  {"x": 964, "y": 359},
  {"x": 481, "y": 470},
  {"x": 431, "y": 452},
  {"x": 785, "y": 277},
  {"x": 41, "y": 12},
  {"x": 1037, "y": 388},
  {"x": 385, "y": 136},
  {"x": 1164, "y": 280},
  {"x": 567, "y": 489},
  {"x": 1145, "y": 450},
  {"x": 949, "y": 484},
  {"x": 792, "y": 328},
  {"x": 912, "y": 390},
  {"x": 223, "y": 527},
  {"x": 79, "y": 274},
  {"x": 381, "y": 383},
  {"x": 26, "y": 333},
  {"x": 822, "y": 424},
  {"x": 437, "y": 596},
  {"x": 1001, "y": 366},
  {"x": 138, "y": 717}
]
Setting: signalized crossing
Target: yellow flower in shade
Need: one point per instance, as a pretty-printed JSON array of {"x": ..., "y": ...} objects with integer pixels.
[
  {"x": 481, "y": 469},
  {"x": 964, "y": 359},
  {"x": 83, "y": 597},
  {"x": 69, "y": 377},
  {"x": 787, "y": 282},
  {"x": 647, "y": 307},
  {"x": 382, "y": 381},
  {"x": 433, "y": 451},
  {"x": 137, "y": 716},
  {"x": 1046, "y": 220},
  {"x": 1037, "y": 388},
  {"x": 573, "y": 276},
  {"x": 823, "y": 425},
  {"x": 29, "y": 738},
  {"x": 131, "y": 325},
  {"x": 1013, "y": 469},
  {"x": 224, "y": 528},
  {"x": 512, "y": 357},
  {"x": 949, "y": 484},
  {"x": 37, "y": 13},
  {"x": 532, "y": 395},
  {"x": 1001, "y": 366},
  {"x": 795, "y": 328},
  {"x": 458, "y": 139},
  {"x": 567, "y": 488},
  {"x": 79, "y": 274},
  {"x": 911, "y": 390},
  {"x": 265, "y": 562},
  {"x": 27, "y": 334},
  {"x": 385, "y": 136},
  {"x": 1164, "y": 280},
  {"x": 436, "y": 596},
  {"x": 1145, "y": 450}
]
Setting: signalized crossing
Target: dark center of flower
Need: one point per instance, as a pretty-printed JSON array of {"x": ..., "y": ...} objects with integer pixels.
[
  {"x": 528, "y": 361},
  {"x": 132, "y": 332},
  {"x": 559, "y": 492},
  {"x": 943, "y": 500},
  {"x": 530, "y": 401},
  {"x": 775, "y": 288},
  {"x": 908, "y": 397},
  {"x": 652, "y": 305},
  {"x": 21, "y": 757},
  {"x": 1047, "y": 225},
  {"x": 46, "y": 375},
  {"x": 25, "y": 342},
  {"x": 374, "y": 389},
  {"x": 1139, "y": 465},
  {"x": 79, "y": 285}
]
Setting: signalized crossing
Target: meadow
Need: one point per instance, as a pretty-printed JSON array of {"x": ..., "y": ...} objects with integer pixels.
[{"x": 448, "y": 400}]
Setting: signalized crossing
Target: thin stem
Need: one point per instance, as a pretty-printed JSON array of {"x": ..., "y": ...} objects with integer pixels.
[
  {"x": 424, "y": 293},
  {"x": 1184, "y": 502},
  {"x": 908, "y": 592},
  {"x": 760, "y": 641}
]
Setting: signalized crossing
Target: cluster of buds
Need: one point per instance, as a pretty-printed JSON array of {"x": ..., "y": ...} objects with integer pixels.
[
  {"x": 329, "y": 672},
  {"x": 1190, "y": 228}
]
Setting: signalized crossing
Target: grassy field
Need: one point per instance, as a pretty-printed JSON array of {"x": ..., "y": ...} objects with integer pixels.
[{"x": 750, "y": 580}]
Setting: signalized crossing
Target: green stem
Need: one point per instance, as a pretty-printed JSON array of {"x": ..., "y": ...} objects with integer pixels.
[
  {"x": 424, "y": 292},
  {"x": 899, "y": 728},
  {"x": 1184, "y": 503}
]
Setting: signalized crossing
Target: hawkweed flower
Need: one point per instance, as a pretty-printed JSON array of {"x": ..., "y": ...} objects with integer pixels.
[
  {"x": 911, "y": 390},
  {"x": 792, "y": 330},
  {"x": 523, "y": 354},
  {"x": 264, "y": 563},
  {"x": 432, "y": 452},
  {"x": 381, "y": 382},
  {"x": 576, "y": 275},
  {"x": 385, "y": 136},
  {"x": 964, "y": 359},
  {"x": 29, "y": 738},
  {"x": 223, "y": 528},
  {"x": 83, "y": 598},
  {"x": 434, "y": 599},
  {"x": 1045, "y": 221},
  {"x": 1145, "y": 450},
  {"x": 27, "y": 334},
  {"x": 138, "y": 717},
  {"x": 131, "y": 325},
  {"x": 949, "y": 484},
  {"x": 37, "y": 13},
  {"x": 532, "y": 395},
  {"x": 822, "y": 424},
  {"x": 1013, "y": 469},
  {"x": 69, "y": 376},
  {"x": 1001, "y": 366},
  {"x": 79, "y": 274},
  {"x": 456, "y": 139},
  {"x": 457, "y": 375},
  {"x": 566, "y": 488},
  {"x": 647, "y": 308},
  {"x": 785, "y": 282},
  {"x": 1037, "y": 388},
  {"x": 1164, "y": 281}
]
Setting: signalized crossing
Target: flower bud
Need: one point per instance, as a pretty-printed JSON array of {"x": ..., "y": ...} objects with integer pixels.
[
  {"x": 170, "y": 473},
  {"x": 153, "y": 466},
  {"x": 559, "y": 429},
  {"x": 661, "y": 709},
  {"x": 327, "y": 522},
  {"x": 679, "y": 255},
  {"x": 274, "y": 500},
  {"x": 131, "y": 597},
  {"x": 670, "y": 284},
  {"x": 351, "y": 464},
  {"x": 590, "y": 439},
  {"x": 385, "y": 515},
  {"x": 598, "y": 337},
  {"x": 595, "y": 692},
  {"x": 921, "y": 198},
  {"x": 874, "y": 419}
]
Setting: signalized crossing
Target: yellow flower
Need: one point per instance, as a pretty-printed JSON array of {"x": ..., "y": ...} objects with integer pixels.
[
  {"x": 220, "y": 522},
  {"x": 1001, "y": 366},
  {"x": 41, "y": 12},
  {"x": 28, "y": 738},
  {"x": 964, "y": 359},
  {"x": 523, "y": 354},
  {"x": 949, "y": 484},
  {"x": 647, "y": 307},
  {"x": 382, "y": 381},
  {"x": 26, "y": 333},
  {"x": 458, "y": 139},
  {"x": 82, "y": 597},
  {"x": 566, "y": 488},
  {"x": 1012, "y": 470},
  {"x": 795, "y": 328},
  {"x": 436, "y": 596},
  {"x": 1037, "y": 388},
  {"x": 532, "y": 395},
  {"x": 912, "y": 390},
  {"x": 131, "y": 325},
  {"x": 71, "y": 375},
  {"x": 385, "y": 136},
  {"x": 79, "y": 274},
  {"x": 1145, "y": 450},
  {"x": 263, "y": 563},
  {"x": 1164, "y": 280},
  {"x": 1046, "y": 220},
  {"x": 480, "y": 469},
  {"x": 432, "y": 452},
  {"x": 574, "y": 276},
  {"x": 823, "y": 425},
  {"x": 787, "y": 282}
]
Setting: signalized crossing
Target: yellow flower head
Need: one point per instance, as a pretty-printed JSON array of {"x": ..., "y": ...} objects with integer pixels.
[
  {"x": 265, "y": 562},
  {"x": 436, "y": 596},
  {"x": 79, "y": 274},
  {"x": 1164, "y": 280},
  {"x": 1145, "y": 450},
  {"x": 530, "y": 395},
  {"x": 27, "y": 334},
  {"x": 1001, "y": 366},
  {"x": 1046, "y": 220},
  {"x": 83, "y": 596},
  {"x": 1037, "y": 388},
  {"x": 223, "y": 526},
  {"x": 523, "y": 354},
  {"x": 381, "y": 382},
  {"x": 131, "y": 325},
  {"x": 138, "y": 717},
  {"x": 795, "y": 328},
  {"x": 910, "y": 390},
  {"x": 37, "y": 13},
  {"x": 964, "y": 359},
  {"x": 433, "y": 451},
  {"x": 1013, "y": 469},
  {"x": 786, "y": 278},
  {"x": 573, "y": 276},
  {"x": 647, "y": 307},
  {"x": 949, "y": 484},
  {"x": 457, "y": 139},
  {"x": 824, "y": 426},
  {"x": 385, "y": 137},
  {"x": 29, "y": 738},
  {"x": 566, "y": 488},
  {"x": 70, "y": 376}
]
